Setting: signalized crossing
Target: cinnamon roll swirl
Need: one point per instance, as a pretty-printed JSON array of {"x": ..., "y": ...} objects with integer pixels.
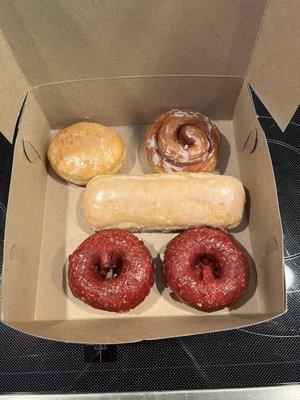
[{"x": 183, "y": 140}]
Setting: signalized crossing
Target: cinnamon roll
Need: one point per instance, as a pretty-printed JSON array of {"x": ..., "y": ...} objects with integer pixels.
[{"x": 183, "y": 140}]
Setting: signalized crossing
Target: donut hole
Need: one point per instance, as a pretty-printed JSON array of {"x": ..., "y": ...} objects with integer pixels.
[
  {"x": 207, "y": 266},
  {"x": 106, "y": 271}
]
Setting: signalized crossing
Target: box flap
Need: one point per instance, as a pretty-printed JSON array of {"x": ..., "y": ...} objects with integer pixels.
[
  {"x": 74, "y": 39},
  {"x": 13, "y": 89},
  {"x": 25, "y": 213},
  {"x": 263, "y": 213},
  {"x": 111, "y": 332},
  {"x": 274, "y": 69}
]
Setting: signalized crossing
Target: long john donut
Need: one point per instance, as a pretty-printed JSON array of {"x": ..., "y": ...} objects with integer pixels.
[
  {"x": 206, "y": 269},
  {"x": 125, "y": 256},
  {"x": 183, "y": 140}
]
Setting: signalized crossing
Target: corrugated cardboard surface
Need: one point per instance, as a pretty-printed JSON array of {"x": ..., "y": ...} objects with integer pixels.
[
  {"x": 61, "y": 40},
  {"x": 274, "y": 71}
]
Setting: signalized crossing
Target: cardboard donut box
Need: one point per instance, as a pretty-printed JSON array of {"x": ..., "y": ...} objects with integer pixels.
[{"x": 122, "y": 64}]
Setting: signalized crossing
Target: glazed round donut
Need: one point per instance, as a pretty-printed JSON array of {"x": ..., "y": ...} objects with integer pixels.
[
  {"x": 182, "y": 140},
  {"x": 206, "y": 269},
  {"x": 119, "y": 253}
]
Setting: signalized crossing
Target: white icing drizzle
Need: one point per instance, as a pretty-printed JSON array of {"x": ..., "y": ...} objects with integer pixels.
[
  {"x": 159, "y": 160},
  {"x": 179, "y": 113},
  {"x": 171, "y": 167},
  {"x": 151, "y": 142},
  {"x": 156, "y": 159}
]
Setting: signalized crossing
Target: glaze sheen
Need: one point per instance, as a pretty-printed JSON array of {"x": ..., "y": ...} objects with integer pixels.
[
  {"x": 115, "y": 251},
  {"x": 206, "y": 269}
]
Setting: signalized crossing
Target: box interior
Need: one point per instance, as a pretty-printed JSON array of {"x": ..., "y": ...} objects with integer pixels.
[
  {"x": 56, "y": 212},
  {"x": 57, "y": 245},
  {"x": 82, "y": 78}
]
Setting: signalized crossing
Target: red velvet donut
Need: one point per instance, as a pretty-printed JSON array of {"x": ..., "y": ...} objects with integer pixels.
[
  {"x": 125, "y": 257},
  {"x": 206, "y": 269}
]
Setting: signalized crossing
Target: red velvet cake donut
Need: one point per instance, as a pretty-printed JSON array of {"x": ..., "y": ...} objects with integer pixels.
[
  {"x": 206, "y": 269},
  {"x": 114, "y": 252}
]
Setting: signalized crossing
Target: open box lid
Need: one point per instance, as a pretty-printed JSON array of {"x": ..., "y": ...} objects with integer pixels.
[
  {"x": 274, "y": 70},
  {"x": 13, "y": 89},
  {"x": 57, "y": 41}
]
